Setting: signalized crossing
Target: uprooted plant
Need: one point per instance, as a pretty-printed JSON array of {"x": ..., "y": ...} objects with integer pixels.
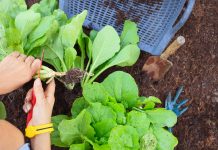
[{"x": 44, "y": 27}]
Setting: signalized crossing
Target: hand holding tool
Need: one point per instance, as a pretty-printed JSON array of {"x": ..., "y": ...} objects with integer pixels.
[{"x": 33, "y": 100}]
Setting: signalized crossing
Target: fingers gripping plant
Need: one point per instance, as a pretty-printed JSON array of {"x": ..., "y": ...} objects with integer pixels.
[{"x": 29, "y": 31}]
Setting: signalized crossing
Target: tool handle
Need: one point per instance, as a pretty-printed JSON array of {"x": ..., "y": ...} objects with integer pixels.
[
  {"x": 30, "y": 113},
  {"x": 173, "y": 47}
]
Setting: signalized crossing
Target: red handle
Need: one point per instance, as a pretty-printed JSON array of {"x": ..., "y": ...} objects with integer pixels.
[
  {"x": 30, "y": 113},
  {"x": 33, "y": 100}
]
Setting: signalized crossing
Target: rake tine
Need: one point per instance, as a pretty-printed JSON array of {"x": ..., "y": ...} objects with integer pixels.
[
  {"x": 168, "y": 100},
  {"x": 182, "y": 111},
  {"x": 182, "y": 103},
  {"x": 179, "y": 91}
]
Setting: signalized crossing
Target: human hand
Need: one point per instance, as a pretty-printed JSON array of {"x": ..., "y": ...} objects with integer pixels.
[
  {"x": 42, "y": 110},
  {"x": 16, "y": 69}
]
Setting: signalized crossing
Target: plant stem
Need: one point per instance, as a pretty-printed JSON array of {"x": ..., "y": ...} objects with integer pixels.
[
  {"x": 82, "y": 59},
  {"x": 135, "y": 108},
  {"x": 87, "y": 67},
  {"x": 88, "y": 75},
  {"x": 97, "y": 74}
]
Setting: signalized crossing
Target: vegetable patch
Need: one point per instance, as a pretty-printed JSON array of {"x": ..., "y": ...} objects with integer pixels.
[{"x": 112, "y": 116}]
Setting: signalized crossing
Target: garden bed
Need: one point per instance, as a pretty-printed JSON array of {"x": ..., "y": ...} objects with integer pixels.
[{"x": 195, "y": 67}]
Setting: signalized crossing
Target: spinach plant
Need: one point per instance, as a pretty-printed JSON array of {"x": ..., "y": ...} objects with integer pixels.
[
  {"x": 43, "y": 27},
  {"x": 108, "y": 49},
  {"x": 111, "y": 115}
]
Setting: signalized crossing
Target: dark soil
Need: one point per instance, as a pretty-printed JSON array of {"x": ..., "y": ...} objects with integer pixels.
[
  {"x": 130, "y": 13},
  {"x": 73, "y": 76},
  {"x": 195, "y": 67}
]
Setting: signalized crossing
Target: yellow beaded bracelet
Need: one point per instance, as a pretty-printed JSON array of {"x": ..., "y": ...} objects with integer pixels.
[{"x": 32, "y": 131}]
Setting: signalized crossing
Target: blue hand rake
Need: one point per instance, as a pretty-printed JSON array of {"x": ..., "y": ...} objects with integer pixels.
[
  {"x": 156, "y": 19},
  {"x": 174, "y": 105}
]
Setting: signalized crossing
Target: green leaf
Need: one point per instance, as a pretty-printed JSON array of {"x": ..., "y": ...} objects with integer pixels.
[
  {"x": 47, "y": 7},
  {"x": 82, "y": 146},
  {"x": 60, "y": 16},
  {"x": 100, "y": 112},
  {"x": 78, "y": 105},
  {"x": 154, "y": 99},
  {"x": 138, "y": 120},
  {"x": 122, "y": 87},
  {"x": 3, "y": 42},
  {"x": 6, "y": 20},
  {"x": 77, "y": 62},
  {"x": 14, "y": 40},
  {"x": 26, "y": 21},
  {"x": 124, "y": 138},
  {"x": 149, "y": 102},
  {"x": 103, "y": 128},
  {"x": 55, "y": 136},
  {"x": 69, "y": 57},
  {"x": 56, "y": 49},
  {"x": 74, "y": 130},
  {"x": 43, "y": 27},
  {"x": 166, "y": 140},
  {"x": 93, "y": 34},
  {"x": 148, "y": 142},
  {"x": 120, "y": 110},
  {"x": 101, "y": 147},
  {"x": 12, "y": 7},
  {"x": 105, "y": 46},
  {"x": 45, "y": 30},
  {"x": 69, "y": 33},
  {"x": 126, "y": 57},
  {"x": 162, "y": 117},
  {"x": 149, "y": 105},
  {"x": 129, "y": 34},
  {"x": 89, "y": 46},
  {"x": 3, "y": 114},
  {"x": 95, "y": 92},
  {"x": 82, "y": 45},
  {"x": 55, "y": 62}
]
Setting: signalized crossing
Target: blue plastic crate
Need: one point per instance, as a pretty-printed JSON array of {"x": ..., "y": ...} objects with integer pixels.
[{"x": 156, "y": 18}]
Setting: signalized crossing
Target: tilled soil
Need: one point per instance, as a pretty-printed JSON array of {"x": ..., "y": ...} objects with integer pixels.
[{"x": 195, "y": 67}]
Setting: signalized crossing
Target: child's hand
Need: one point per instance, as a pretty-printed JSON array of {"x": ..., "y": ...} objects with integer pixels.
[
  {"x": 42, "y": 110},
  {"x": 15, "y": 70}
]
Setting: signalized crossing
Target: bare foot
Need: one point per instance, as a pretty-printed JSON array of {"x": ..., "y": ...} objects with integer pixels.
[{"x": 15, "y": 70}]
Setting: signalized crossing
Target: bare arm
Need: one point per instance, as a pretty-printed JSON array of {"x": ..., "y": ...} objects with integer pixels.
[{"x": 41, "y": 141}]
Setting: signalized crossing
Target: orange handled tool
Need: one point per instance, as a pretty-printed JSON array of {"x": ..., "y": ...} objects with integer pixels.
[{"x": 33, "y": 100}]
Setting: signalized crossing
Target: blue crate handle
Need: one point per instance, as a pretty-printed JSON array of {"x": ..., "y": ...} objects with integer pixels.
[{"x": 172, "y": 31}]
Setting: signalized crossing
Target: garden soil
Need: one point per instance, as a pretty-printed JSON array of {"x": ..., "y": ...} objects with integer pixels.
[{"x": 195, "y": 67}]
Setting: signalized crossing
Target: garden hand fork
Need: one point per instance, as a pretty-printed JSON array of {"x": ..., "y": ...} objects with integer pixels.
[{"x": 174, "y": 105}]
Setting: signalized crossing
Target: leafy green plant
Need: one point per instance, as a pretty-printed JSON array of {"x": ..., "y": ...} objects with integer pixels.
[
  {"x": 30, "y": 31},
  {"x": 2, "y": 111},
  {"x": 112, "y": 116},
  {"x": 114, "y": 51}
]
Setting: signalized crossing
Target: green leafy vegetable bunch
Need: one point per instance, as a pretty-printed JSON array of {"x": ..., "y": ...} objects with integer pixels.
[{"x": 112, "y": 116}]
